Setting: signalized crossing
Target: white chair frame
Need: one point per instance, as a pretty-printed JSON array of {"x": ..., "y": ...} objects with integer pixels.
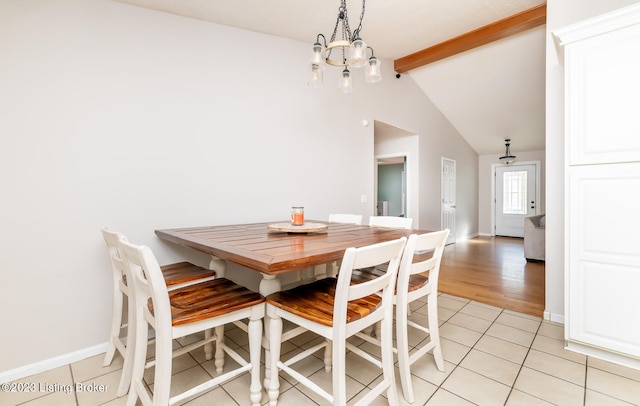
[
  {"x": 417, "y": 244},
  {"x": 120, "y": 290},
  {"x": 336, "y": 336},
  {"x": 144, "y": 271}
]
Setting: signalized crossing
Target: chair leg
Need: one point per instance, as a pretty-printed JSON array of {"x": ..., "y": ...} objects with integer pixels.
[
  {"x": 267, "y": 355},
  {"x": 388, "y": 370},
  {"x": 434, "y": 330},
  {"x": 339, "y": 350},
  {"x": 129, "y": 351},
  {"x": 402, "y": 341},
  {"x": 255, "y": 346},
  {"x": 139, "y": 360},
  {"x": 328, "y": 351},
  {"x": 275, "y": 335},
  {"x": 164, "y": 360},
  {"x": 208, "y": 347},
  {"x": 116, "y": 325},
  {"x": 219, "y": 355}
]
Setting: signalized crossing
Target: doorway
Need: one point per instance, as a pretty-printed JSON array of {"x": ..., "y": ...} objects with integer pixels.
[
  {"x": 516, "y": 196},
  {"x": 392, "y": 187},
  {"x": 395, "y": 146}
]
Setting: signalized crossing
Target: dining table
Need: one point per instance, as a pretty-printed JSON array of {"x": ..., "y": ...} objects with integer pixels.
[{"x": 272, "y": 250}]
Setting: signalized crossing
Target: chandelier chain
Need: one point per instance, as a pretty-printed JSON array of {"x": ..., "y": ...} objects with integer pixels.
[{"x": 356, "y": 33}]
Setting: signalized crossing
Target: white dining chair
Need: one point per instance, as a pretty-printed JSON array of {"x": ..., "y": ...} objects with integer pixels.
[
  {"x": 331, "y": 269},
  {"x": 361, "y": 275},
  {"x": 391, "y": 222},
  {"x": 175, "y": 276},
  {"x": 345, "y": 218},
  {"x": 336, "y": 309},
  {"x": 418, "y": 277},
  {"x": 181, "y": 312}
]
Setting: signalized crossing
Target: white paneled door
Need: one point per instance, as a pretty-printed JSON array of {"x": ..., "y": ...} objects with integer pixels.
[
  {"x": 448, "y": 192},
  {"x": 515, "y": 198}
]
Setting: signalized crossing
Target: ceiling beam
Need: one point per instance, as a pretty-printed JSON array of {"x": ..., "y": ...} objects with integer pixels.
[{"x": 523, "y": 21}]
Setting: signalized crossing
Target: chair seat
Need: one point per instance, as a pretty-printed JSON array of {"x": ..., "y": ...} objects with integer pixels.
[
  {"x": 209, "y": 299},
  {"x": 182, "y": 272},
  {"x": 315, "y": 302}
]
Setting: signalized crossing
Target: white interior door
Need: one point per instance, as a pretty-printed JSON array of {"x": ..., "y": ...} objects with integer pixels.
[
  {"x": 515, "y": 198},
  {"x": 448, "y": 193}
]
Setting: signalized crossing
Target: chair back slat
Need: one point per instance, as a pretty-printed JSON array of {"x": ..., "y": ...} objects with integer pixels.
[
  {"x": 112, "y": 239},
  {"x": 419, "y": 244},
  {"x": 370, "y": 256}
]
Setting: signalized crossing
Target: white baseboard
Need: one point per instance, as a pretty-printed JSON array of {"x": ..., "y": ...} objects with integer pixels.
[
  {"x": 558, "y": 318},
  {"x": 466, "y": 237},
  {"x": 51, "y": 363}
]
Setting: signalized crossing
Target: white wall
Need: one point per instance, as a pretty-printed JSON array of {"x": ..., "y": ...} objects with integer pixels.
[
  {"x": 138, "y": 120},
  {"x": 559, "y": 14},
  {"x": 485, "y": 186}
]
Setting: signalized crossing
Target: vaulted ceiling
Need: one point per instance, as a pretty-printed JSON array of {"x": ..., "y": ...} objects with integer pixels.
[{"x": 489, "y": 92}]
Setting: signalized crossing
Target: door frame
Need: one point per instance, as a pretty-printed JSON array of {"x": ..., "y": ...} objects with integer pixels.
[{"x": 537, "y": 165}]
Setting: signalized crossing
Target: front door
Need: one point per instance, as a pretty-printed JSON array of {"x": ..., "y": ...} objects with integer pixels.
[
  {"x": 515, "y": 198},
  {"x": 448, "y": 194}
]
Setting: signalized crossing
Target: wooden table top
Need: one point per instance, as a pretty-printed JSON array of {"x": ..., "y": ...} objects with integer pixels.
[{"x": 256, "y": 247}]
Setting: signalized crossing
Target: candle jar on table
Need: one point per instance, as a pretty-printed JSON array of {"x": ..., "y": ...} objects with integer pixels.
[{"x": 297, "y": 216}]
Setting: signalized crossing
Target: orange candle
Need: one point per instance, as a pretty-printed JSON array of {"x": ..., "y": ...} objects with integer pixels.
[{"x": 297, "y": 216}]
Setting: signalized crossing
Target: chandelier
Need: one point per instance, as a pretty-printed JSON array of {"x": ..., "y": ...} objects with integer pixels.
[
  {"x": 507, "y": 158},
  {"x": 345, "y": 49}
]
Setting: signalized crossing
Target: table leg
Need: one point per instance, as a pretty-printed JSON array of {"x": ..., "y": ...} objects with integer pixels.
[
  {"x": 269, "y": 284},
  {"x": 218, "y": 265},
  {"x": 307, "y": 275}
]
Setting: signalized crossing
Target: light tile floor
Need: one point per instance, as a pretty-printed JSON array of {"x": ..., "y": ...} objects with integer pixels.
[{"x": 493, "y": 357}]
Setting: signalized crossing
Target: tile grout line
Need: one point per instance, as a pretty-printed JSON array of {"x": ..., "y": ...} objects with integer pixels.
[
  {"x": 522, "y": 366},
  {"x": 586, "y": 372},
  {"x": 469, "y": 301},
  {"x": 73, "y": 381}
]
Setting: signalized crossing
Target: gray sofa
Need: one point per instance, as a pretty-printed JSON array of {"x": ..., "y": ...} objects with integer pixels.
[{"x": 534, "y": 228}]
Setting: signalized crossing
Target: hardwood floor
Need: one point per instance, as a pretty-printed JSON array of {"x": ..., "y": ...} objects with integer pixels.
[{"x": 493, "y": 270}]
